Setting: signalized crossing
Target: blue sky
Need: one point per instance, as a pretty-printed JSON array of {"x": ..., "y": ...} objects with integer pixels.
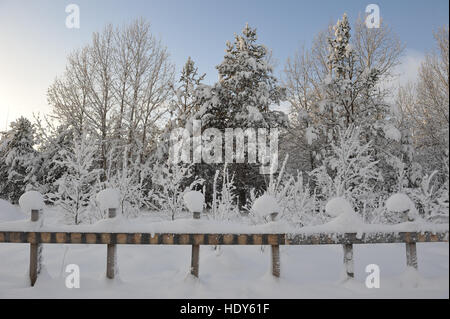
[{"x": 34, "y": 41}]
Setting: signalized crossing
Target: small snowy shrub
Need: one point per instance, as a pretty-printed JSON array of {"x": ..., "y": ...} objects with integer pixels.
[
  {"x": 431, "y": 199},
  {"x": 168, "y": 186},
  {"x": 400, "y": 208},
  {"x": 349, "y": 171},
  {"x": 131, "y": 181},
  {"x": 224, "y": 205},
  {"x": 78, "y": 186}
]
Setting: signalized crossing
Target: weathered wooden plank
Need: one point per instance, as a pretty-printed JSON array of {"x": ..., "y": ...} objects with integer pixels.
[
  {"x": 195, "y": 257},
  {"x": 61, "y": 238},
  {"x": 411, "y": 255},
  {"x": 91, "y": 238},
  {"x": 35, "y": 248},
  {"x": 31, "y": 238},
  {"x": 167, "y": 239},
  {"x": 183, "y": 239},
  {"x": 275, "y": 252},
  {"x": 348, "y": 260},
  {"x": 121, "y": 238},
  {"x": 46, "y": 238},
  {"x": 137, "y": 238},
  {"x": 198, "y": 239},
  {"x": 366, "y": 238},
  {"x": 34, "y": 263},
  {"x": 111, "y": 251},
  {"x": 154, "y": 239},
  {"x": 106, "y": 238},
  {"x": 75, "y": 238},
  {"x": 217, "y": 239},
  {"x": 213, "y": 239},
  {"x": 111, "y": 261}
]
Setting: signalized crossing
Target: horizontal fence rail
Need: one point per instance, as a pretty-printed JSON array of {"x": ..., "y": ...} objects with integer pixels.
[
  {"x": 218, "y": 239},
  {"x": 367, "y": 238}
]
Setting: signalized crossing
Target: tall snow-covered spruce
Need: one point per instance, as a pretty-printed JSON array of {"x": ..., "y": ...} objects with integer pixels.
[
  {"x": 351, "y": 97},
  {"x": 241, "y": 99},
  {"x": 18, "y": 160}
]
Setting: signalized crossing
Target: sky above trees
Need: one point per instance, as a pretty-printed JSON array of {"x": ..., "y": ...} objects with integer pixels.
[{"x": 35, "y": 41}]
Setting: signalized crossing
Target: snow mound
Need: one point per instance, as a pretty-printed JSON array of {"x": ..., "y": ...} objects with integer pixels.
[
  {"x": 31, "y": 200},
  {"x": 108, "y": 198},
  {"x": 9, "y": 212},
  {"x": 194, "y": 201},
  {"x": 266, "y": 205},
  {"x": 338, "y": 206},
  {"x": 399, "y": 203},
  {"x": 346, "y": 222},
  {"x": 392, "y": 133}
]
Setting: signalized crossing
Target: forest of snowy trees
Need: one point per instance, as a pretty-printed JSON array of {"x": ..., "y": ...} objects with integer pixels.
[{"x": 349, "y": 131}]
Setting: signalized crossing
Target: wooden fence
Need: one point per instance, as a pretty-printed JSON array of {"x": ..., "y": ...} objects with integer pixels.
[{"x": 347, "y": 240}]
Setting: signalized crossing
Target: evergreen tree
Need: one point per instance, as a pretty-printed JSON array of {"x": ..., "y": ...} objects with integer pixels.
[
  {"x": 241, "y": 99},
  {"x": 185, "y": 104},
  {"x": 52, "y": 150},
  {"x": 246, "y": 87},
  {"x": 17, "y": 160}
]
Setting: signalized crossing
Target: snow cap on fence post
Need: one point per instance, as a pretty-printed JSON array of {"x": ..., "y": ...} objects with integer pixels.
[
  {"x": 266, "y": 205},
  {"x": 32, "y": 202},
  {"x": 338, "y": 206},
  {"x": 401, "y": 204},
  {"x": 109, "y": 199},
  {"x": 194, "y": 201}
]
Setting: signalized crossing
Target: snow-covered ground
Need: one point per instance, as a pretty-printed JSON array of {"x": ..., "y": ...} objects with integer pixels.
[
  {"x": 233, "y": 272},
  {"x": 230, "y": 272}
]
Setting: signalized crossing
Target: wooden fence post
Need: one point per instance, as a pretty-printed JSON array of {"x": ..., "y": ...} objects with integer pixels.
[
  {"x": 275, "y": 252},
  {"x": 348, "y": 260},
  {"x": 111, "y": 252},
  {"x": 35, "y": 252},
  {"x": 411, "y": 255},
  {"x": 195, "y": 255}
]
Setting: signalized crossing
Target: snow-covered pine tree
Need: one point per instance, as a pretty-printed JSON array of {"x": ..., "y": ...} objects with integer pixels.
[
  {"x": 186, "y": 104},
  {"x": 52, "y": 147},
  {"x": 241, "y": 99},
  {"x": 77, "y": 187},
  {"x": 246, "y": 87},
  {"x": 17, "y": 160}
]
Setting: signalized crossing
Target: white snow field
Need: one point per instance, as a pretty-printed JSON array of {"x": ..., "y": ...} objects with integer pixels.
[{"x": 230, "y": 272}]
